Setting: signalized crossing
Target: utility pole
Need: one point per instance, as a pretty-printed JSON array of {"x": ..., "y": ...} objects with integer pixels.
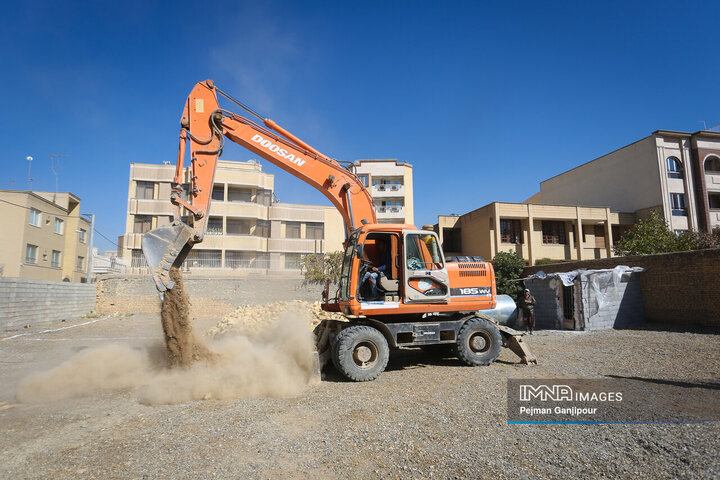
[
  {"x": 55, "y": 169},
  {"x": 29, "y": 159},
  {"x": 88, "y": 276}
]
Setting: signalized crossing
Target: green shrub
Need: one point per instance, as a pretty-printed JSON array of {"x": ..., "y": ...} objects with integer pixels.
[
  {"x": 508, "y": 266},
  {"x": 545, "y": 261}
]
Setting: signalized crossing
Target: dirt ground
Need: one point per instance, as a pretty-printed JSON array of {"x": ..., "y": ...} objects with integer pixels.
[{"x": 425, "y": 417}]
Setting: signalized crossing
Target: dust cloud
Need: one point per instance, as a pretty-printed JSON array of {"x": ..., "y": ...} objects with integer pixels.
[{"x": 276, "y": 362}]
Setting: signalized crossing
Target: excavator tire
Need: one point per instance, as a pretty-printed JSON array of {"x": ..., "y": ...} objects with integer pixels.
[
  {"x": 479, "y": 342},
  {"x": 361, "y": 353}
]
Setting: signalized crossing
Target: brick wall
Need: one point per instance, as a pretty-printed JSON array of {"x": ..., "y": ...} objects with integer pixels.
[
  {"x": 35, "y": 302},
  {"x": 677, "y": 288}
]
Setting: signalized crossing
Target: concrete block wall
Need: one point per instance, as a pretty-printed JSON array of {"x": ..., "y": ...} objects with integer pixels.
[
  {"x": 681, "y": 288},
  {"x": 548, "y": 313},
  {"x": 36, "y": 302},
  {"x": 623, "y": 311}
]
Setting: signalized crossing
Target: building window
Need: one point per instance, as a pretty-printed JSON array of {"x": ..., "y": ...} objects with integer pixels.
[
  {"x": 79, "y": 264},
  {"x": 293, "y": 261},
  {"x": 714, "y": 201},
  {"x": 141, "y": 224},
  {"x": 292, "y": 229},
  {"x": 82, "y": 235},
  {"x": 59, "y": 226},
  {"x": 364, "y": 178},
  {"x": 677, "y": 203},
  {"x": 553, "y": 232},
  {"x": 674, "y": 168},
  {"x": 510, "y": 231},
  {"x": 34, "y": 217},
  {"x": 145, "y": 190},
  {"x": 712, "y": 164},
  {"x": 679, "y": 232},
  {"x": 262, "y": 228},
  {"x": 264, "y": 197},
  {"x": 215, "y": 226},
  {"x": 314, "y": 231},
  {"x": 599, "y": 236},
  {"x": 239, "y": 194},
  {"x": 55, "y": 260},
  {"x": 31, "y": 254},
  {"x": 218, "y": 193},
  {"x": 238, "y": 226}
]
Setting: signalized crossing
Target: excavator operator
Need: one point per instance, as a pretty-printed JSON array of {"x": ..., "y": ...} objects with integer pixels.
[{"x": 374, "y": 272}]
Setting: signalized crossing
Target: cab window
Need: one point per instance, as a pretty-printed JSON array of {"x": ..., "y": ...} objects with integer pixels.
[{"x": 422, "y": 252}]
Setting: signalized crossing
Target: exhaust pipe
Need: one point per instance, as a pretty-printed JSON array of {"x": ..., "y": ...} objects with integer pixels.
[{"x": 166, "y": 247}]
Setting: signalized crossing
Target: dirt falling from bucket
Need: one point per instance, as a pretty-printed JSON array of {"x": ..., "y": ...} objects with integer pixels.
[{"x": 180, "y": 343}]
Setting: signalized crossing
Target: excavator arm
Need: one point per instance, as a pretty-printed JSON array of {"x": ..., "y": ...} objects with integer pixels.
[{"x": 204, "y": 127}]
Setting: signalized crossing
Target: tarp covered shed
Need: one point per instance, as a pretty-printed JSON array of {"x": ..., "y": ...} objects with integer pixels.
[{"x": 587, "y": 299}]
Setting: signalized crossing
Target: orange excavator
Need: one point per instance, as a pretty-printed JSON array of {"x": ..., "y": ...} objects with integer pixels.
[{"x": 418, "y": 299}]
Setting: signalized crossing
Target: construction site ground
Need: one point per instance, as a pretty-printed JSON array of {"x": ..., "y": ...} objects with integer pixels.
[{"x": 425, "y": 417}]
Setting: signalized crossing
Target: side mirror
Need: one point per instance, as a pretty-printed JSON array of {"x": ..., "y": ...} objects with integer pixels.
[{"x": 359, "y": 250}]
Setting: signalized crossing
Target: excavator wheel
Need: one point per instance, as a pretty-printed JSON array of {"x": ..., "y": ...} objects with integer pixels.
[
  {"x": 360, "y": 353},
  {"x": 479, "y": 342}
]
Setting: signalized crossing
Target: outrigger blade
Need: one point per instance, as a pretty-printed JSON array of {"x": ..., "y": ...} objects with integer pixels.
[{"x": 165, "y": 247}]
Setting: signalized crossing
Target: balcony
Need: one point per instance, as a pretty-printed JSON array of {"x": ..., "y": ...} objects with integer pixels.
[
  {"x": 390, "y": 212},
  {"x": 235, "y": 242},
  {"x": 388, "y": 190},
  {"x": 239, "y": 209},
  {"x": 150, "y": 207},
  {"x": 296, "y": 245}
]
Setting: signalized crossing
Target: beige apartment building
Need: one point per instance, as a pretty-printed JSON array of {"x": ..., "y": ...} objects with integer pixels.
[
  {"x": 391, "y": 185},
  {"x": 247, "y": 232},
  {"x": 557, "y": 232},
  {"x": 674, "y": 173},
  {"x": 44, "y": 237}
]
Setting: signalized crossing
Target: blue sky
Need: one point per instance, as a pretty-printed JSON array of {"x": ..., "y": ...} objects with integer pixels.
[{"x": 485, "y": 99}]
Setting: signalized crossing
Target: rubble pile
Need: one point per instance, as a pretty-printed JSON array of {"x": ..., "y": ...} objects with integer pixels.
[{"x": 250, "y": 319}]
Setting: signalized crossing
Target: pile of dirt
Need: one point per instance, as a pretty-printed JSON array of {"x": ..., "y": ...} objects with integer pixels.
[
  {"x": 251, "y": 319},
  {"x": 180, "y": 343}
]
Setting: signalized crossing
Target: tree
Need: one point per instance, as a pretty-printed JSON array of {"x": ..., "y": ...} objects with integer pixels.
[
  {"x": 317, "y": 268},
  {"x": 508, "y": 266},
  {"x": 647, "y": 237},
  {"x": 653, "y": 235}
]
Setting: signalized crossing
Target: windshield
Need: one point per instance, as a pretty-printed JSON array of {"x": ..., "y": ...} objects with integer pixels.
[
  {"x": 346, "y": 266},
  {"x": 422, "y": 252}
]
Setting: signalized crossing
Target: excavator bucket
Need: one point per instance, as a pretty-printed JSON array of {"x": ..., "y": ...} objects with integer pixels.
[{"x": 165, "y": 247}]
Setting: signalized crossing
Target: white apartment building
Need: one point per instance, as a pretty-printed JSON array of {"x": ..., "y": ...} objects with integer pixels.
[
  {"x": 247, "y": 231},
  {"x": 391, "y": 186}
]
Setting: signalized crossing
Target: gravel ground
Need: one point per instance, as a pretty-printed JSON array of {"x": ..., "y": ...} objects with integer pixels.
[{"x": 423, "y": 418}]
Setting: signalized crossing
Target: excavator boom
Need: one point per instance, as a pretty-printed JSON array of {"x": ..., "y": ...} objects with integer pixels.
[{"x": 204, "y": 127}]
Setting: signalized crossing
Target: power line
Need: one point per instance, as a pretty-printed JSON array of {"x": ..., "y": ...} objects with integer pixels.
[{"x": 106, "y": 238}]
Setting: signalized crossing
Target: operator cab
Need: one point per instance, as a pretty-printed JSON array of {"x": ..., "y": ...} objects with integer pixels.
[{"x": 388, "y": 267}]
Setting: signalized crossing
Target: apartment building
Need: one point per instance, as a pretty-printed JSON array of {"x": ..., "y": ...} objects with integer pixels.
[
  {"x": 391, "y": 186},
  {"x": 676, "y": 174},
  {"x": 247, "y": 230},
  {"x": 557, "y": 232},
  {"x": 43, "y": 237}
]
